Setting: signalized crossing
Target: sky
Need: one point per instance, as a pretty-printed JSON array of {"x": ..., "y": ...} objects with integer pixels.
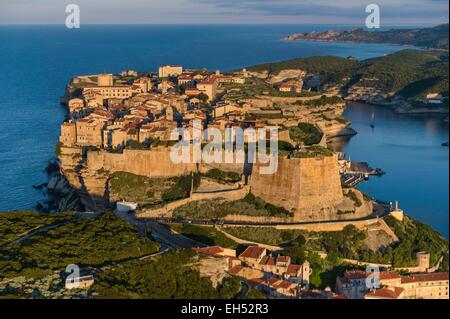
[{"x": 393, "y": 12}]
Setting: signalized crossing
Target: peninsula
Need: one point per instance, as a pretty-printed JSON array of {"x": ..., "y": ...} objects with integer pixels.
[
  {"x": 431, "y": 38},
  {"x": 208, "y": 229}
]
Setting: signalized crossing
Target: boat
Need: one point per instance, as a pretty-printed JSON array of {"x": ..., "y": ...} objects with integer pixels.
[{"x": 372, "y": 125}]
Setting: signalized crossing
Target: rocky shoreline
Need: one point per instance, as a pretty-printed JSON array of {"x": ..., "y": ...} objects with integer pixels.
[{"x": 433, "y": 38}]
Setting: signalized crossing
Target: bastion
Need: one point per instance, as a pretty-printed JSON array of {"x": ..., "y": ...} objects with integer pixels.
[{"x": 308, "y": 187}]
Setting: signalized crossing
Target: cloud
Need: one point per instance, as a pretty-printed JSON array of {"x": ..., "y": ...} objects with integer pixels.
[
  {"x": 224, "y": 11},
  {"x": 349, "y": 8}
]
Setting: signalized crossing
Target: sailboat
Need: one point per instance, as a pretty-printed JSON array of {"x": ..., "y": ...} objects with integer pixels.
[{"x": 372, "y": 125}]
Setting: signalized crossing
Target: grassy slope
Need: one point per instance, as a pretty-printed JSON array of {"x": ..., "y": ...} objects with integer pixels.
[
  {"x": 15, "y": 224},
  {"x": 95, "y": 242},
  {"x": 207, "y": 235},
  {"x": 411, "y": 73}
]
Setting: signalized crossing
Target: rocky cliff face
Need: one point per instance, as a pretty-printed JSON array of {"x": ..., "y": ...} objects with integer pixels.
[
  {"x": 90, "y": 185},
  {"x": 309, "y": 187}
]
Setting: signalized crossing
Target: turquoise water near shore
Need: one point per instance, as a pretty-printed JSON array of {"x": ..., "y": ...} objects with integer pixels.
[
  {"x": 408, "y": 148},
  {"x": 38, "y": 61}
]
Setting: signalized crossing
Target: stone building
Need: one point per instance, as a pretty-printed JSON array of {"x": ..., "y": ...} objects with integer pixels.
[
  {"x": 109, "y": 92},
  {"x": 68, "y": 134},
  {"x": 426, "y": 286},
  {"x": 257, "y": 258},
  {"x": 160, "y": 129},
  {"x": 89, "y": 132},
  {"x": 253, "y": 255},
  {"x": 209, "y": 87},
  {"x": 169, "y": 71},
  {"x": 105, "y": 80},
  {"x": 394, "y": 286}
]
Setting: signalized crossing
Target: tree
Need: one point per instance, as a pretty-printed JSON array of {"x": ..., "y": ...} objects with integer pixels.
[{"x": 203, "y": 98}]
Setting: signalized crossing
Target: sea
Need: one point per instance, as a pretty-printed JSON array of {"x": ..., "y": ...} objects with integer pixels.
[{"x": 37, "y": 62}]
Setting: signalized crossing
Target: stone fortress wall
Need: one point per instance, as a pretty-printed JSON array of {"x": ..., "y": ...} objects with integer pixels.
[{"x": 309, "y": 187}]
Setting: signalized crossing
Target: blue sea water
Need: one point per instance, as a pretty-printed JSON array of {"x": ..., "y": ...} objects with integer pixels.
[
  {"x": 408, "y": 148},
  {"x": 38, "y": 61}
]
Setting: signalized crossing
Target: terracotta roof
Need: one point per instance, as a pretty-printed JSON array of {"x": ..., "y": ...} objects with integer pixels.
[
  {"x": 268, "y": 261},
  {"x": 386, "y": 293},
  {"x": 235, "y": 270},
  {"x": 356, "y": 274},
  {"x": 283, "y": 259},
  {"x": 254, "y": 252},
  {"x": 212, "y": 250},
  {"x": 386, "y": 275},
  {"x": 293, "y": 269},
  {"x": 438, "y": 276},
  {"x": 272, "y": 281},
  {"x": 284, "y": 284},
  {"x": 209, "y": 81}
]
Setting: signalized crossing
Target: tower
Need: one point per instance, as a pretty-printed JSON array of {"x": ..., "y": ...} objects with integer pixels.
[
  {"x": 105, "y": 80},
  {"x": 423, "y": 261}
]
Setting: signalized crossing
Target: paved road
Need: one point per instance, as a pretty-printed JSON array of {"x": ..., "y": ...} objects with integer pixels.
[
  {"x": 36, "y": 231},
  {"x": 171, "y": 238},
  {"x": 244, "y": 290},
  {"x": 161, "y": 233}
]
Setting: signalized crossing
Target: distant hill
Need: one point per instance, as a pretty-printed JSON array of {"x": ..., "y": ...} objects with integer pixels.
[
  {"x": 411, "y": 73},
  {"x": 435, "y": 38}
]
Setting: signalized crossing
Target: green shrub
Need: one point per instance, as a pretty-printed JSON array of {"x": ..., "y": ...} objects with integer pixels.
[
  {"x": 135, "y": 145},
  {"x": 58, "y": 147},
  {"x": 352, "y": 195},
  {"x": 182, "y": 188},
  {"x": 223, "y": 176},
  {"x": 305, "y": 133}
]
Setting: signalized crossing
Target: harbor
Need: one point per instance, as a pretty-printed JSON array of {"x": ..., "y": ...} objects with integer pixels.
[{"x": 353, "y": 173}]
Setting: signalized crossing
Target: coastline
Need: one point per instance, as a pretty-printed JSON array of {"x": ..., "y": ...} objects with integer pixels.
[{"x": 408, "y": 46}]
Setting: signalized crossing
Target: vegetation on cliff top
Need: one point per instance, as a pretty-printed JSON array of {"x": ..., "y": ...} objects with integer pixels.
[
  {"x": 435, "y": 37},
  {"x": 150, "y": 191},
  {"x": 311, "y": 152},
  {"x": 223, "y": 176},
  {"x": 401, "y": 71},
  {"x": 16, "y": 224},
  {"x": 305, "y": 134},
  {"x": 322, "y": 101},
  {"x": 411, "y": 73},
  {"x": 352, "y": 195},
  {"x": 108, "y": 244},
  {"x": 414, "y": 236},
  {"x": 207, "y": 235},
  {"x": 330, "y": 68},
  {"x": 169, "y": 276},
  {"x": 92, "y": 242},
  {"x": 214, "y": 209},
  {"x": 140, "y": 189}
]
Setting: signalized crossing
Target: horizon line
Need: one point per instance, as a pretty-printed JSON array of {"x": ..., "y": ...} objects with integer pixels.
[{"x": 224, "y": 24}]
